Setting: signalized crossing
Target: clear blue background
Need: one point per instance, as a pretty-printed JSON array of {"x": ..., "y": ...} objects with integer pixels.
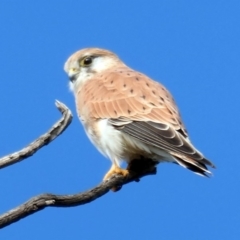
[{"x": 192, "y": 47}]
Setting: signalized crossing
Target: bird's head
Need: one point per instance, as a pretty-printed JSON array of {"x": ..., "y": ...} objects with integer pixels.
[{"x": 84, "y": 64}]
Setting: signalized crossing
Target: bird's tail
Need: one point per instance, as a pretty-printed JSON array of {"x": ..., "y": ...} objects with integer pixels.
[{"x": 197, "y": 166}]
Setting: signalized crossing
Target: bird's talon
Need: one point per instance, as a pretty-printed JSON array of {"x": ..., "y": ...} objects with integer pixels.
[{"x": 115, "y": 170}]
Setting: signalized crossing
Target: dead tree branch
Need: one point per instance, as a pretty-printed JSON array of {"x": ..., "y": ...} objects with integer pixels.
[
  {"x": 137, "y": 170},
  {"x": 42, "y": 201},
  {"x": 43, "y": 140}
]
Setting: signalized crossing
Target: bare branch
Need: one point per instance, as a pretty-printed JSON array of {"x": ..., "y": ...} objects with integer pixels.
[
  {"x": 137, "y": 168},
  {"x": 43, "y": 140},
  {"x": 42, "y": 201}
]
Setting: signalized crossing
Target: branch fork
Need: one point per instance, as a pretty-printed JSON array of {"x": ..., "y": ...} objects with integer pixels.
[{"x": 42, "y": 201}]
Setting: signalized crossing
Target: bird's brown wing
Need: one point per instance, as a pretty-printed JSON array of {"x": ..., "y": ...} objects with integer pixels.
[
  {"x": 142, "y": 108},
  {"x": 129, "y": 94}
]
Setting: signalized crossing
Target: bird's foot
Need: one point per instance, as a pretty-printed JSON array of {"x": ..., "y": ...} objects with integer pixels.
[{"x": 115, "y": 170}]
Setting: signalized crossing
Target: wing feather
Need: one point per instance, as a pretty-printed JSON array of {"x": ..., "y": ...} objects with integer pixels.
[
  {"x": 145, "y": 98},
  {"x": 141, "y": 108}
]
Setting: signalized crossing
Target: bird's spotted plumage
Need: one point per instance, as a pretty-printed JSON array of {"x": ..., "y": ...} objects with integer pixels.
[{"x": 127, "y": 115}]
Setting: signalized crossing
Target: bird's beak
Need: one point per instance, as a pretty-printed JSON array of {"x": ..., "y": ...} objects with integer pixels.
[{"x": 73, "y": 74}]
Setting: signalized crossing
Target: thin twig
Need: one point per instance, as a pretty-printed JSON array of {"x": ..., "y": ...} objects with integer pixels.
[
  {"x": 42, "y": 201},
  {"x": 43, "y": 140}
]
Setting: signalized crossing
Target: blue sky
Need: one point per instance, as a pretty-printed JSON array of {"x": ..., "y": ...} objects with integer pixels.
[{"x": 192, "y": 47}]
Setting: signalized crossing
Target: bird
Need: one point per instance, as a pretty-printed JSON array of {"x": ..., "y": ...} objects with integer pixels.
[{"x": 127, "y": 115}]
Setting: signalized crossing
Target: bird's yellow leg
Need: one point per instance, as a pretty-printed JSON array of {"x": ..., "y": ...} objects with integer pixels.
[{"x": 115, "y": 169}]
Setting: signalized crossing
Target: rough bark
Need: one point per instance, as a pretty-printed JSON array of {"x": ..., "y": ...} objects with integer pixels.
[
  {"x": 42, "y": 201},
  {"x": 43, "y": 140}
]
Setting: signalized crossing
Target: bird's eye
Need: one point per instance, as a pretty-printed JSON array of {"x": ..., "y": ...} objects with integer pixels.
[{"x": 86, "y": 61}]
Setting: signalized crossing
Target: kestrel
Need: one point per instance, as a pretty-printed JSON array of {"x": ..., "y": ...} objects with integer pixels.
[{"x": 127, "y": 115}]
